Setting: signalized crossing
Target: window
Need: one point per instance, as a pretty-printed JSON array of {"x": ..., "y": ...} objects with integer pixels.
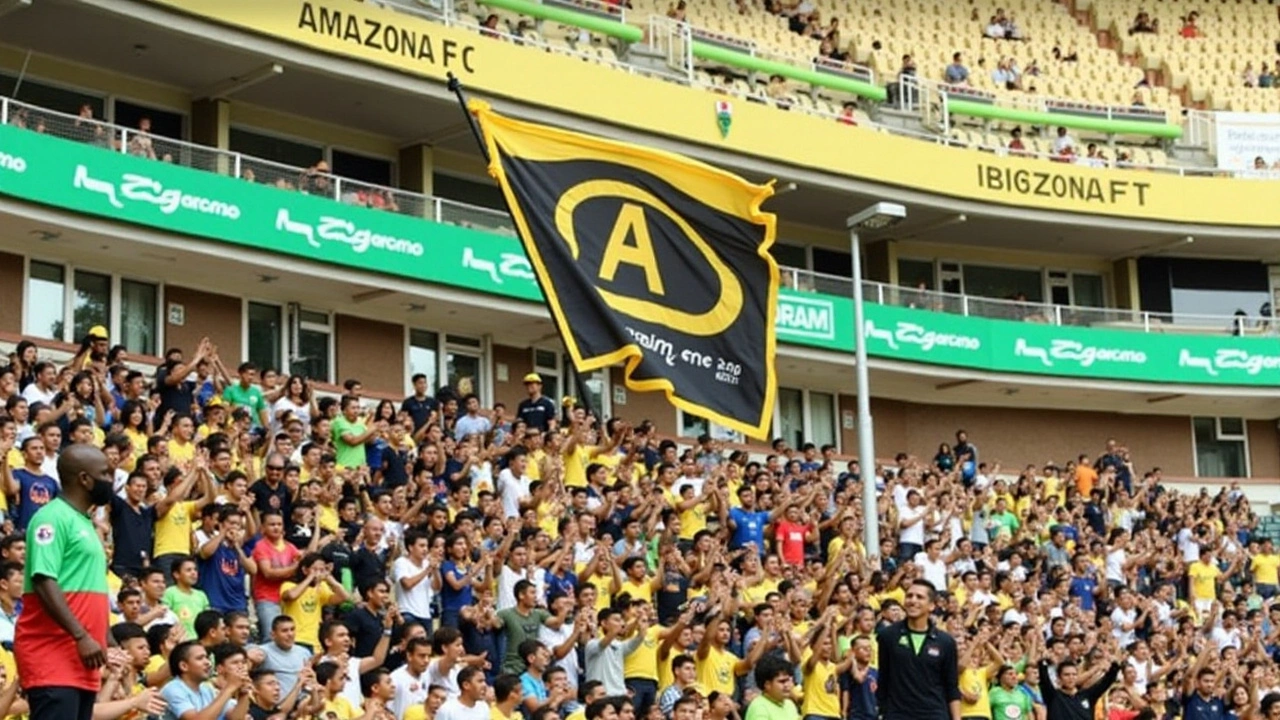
[
  {"x": 1087, "y": 290},
  {"x": 1004, "y": 283},
  {"x": 822, "y": 417},
  {"x": 265, "y": 331},
  {"x": 58, "y": 312},
  {"x": 269, "y": 147},
  {"x": 424, "y": 357},
  {"x": 361, "y": 167},
  {"x": 92, "y": 303},
  {"x": 46, "y": 288},
  {"x": 790, "y": 255},
  {"x": 139, "y": 317},
  {"x": 913, "y": 272},
  {"x": 806, "y": 416},
  {"x": 484, "y": 194},
  {"x": 692, "y": 426},
  {"x": 463, "y": 365},
  {"x": 832, "y": 262},
  {"x": 1221, "y": 447},
  {"x": 593, "y": 389},
  {"x": 791, "y": 416},
  {"x": 48, "y": 96},
  {"x": 164, "y": 123},
  {"x": 546, "y": 364},
  {"x": 311, "y": 351}
]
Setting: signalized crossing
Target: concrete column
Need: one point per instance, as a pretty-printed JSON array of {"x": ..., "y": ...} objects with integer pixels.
[
  {"x": 1124, "y": 284},
  {"x": 211, "y": 127}
]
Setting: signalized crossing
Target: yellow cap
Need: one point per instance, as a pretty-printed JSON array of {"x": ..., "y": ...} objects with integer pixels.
[
  {"x": 532, "y": 378},
  {"x": 215, "y": 401},
  {"x": 97, "y": 331}
]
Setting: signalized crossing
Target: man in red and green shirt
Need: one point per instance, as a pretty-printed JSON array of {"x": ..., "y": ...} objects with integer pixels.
[{"x": 62, "y": 630}]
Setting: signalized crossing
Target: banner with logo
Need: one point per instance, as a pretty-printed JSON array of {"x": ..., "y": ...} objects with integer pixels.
[
  {"x": 1071, "y": 351},
  {"x": 649, "y": 259},
  {"x": 182, "y": 200}
]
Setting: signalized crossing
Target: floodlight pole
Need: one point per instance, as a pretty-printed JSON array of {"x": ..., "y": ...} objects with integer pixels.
[
  {"x": 866, "y": 442},
  {"x": 890, "y": 213}
]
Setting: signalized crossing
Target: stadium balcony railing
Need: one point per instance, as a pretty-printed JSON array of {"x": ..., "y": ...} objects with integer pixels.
[
  {"x": 933, "y": 101},
  {"x": 441, "y": 210}
]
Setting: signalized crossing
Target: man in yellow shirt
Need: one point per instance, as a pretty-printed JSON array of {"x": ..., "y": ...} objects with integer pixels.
[
  {"x": 332, "y": 678},
  {"x": 1265, "y": 567},
  {"x": 304, "y": 598},
  {"x": 718, "y": 668},
  {"x": 176, "y": 516},
  {"x": 821, "y": 674},
  {"x": 1204, "y": 577}
]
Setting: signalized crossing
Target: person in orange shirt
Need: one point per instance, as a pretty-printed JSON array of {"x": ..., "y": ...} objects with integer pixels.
[{"x": 1086, "y": 476}]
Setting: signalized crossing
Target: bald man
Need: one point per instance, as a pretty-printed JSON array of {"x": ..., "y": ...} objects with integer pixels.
[{"x": 62, "y": 631}]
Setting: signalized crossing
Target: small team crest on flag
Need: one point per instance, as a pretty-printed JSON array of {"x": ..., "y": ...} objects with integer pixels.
[{"x": 724, "y": 117}]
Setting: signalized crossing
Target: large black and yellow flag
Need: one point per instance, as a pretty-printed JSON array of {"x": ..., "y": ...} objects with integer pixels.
[{"x": 648, "y": 258}]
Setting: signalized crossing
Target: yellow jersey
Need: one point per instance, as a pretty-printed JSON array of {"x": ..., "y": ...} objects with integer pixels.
[
  {"x": 307, "y": 610},
  {"x": 715, "y": 672},
  {"x": 1204, "y": 580},
  {"x": 173, "y": 531},
  {"x": 1266, "y": 569},
  {"x": 643, "y": 663},
  {"x": 821, "y": 689}
]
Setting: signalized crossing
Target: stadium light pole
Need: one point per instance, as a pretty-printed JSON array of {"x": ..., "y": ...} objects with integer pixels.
[{"x": 876, "y": 217}]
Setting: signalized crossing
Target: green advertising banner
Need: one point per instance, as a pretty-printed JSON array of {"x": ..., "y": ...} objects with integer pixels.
[
  {"x": 1041, "y": 349},
  {"x": 182, "y": 200},
  {"x": 185, "y": 201}
]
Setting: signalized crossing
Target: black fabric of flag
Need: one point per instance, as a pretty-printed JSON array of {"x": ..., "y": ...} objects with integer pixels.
[{"x": 649, "y": 259}]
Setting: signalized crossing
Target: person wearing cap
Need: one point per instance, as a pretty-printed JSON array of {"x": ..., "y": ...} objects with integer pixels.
[
  {"x": 537, "y": 410},
  {"x": 215, "y": 418},
  {"x": 94, "y": 347}
]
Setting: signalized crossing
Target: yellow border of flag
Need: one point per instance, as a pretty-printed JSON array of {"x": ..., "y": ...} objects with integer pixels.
[{"x": 720, "y": 190}]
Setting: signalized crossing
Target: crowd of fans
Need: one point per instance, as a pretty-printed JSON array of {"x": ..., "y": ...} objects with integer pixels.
[{"x": 278, "y": 554}]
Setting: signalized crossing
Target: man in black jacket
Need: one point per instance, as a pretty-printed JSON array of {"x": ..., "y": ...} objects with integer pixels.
[
  {"x": 1068, "y": 701},
  {"x": 919, "y": 673}
]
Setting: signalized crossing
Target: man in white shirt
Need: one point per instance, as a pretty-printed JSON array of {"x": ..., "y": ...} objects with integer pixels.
[
  {"x": 410, "y": 679},
  {"x": 417, "y": 578},
  {"x": 45, "y": 388},
  {"x": 1062, "y": 142},
  {"x": 513, "y": 484},
  {"x": 911, "y": 525},
  {"x": 469, "y": 704},
  {"x": 932, "y": 567}
]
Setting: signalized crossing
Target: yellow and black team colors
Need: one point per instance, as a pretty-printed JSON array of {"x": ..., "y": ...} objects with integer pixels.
[{"x": 648, "y": 258}]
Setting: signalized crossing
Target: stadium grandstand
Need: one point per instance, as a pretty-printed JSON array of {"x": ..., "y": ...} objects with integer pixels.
[{"x": 254, "y": 273}]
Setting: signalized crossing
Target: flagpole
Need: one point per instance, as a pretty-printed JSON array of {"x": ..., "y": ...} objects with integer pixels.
[
  {"x": 455, "y": 85},
  {"x": 584, "y": 399}
]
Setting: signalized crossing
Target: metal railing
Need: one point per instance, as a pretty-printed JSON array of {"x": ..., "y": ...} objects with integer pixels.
[
  {"x": 314, "y": 181},
  {"x": 1038, "y": 312},
  {"x": 1198, "y": 125}
]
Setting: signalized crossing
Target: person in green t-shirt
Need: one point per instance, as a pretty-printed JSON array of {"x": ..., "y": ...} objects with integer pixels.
[
  {"x": 183, "y": 597},
  {"x": 1003, "y": 521},
  {"x": 248, "y": 395},
  {"x": 776, "y": 679},
  {"x": 523, "y": 622},
  {"x": 350, "y": 433},
  {"x": 1008, "y": 702}
]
